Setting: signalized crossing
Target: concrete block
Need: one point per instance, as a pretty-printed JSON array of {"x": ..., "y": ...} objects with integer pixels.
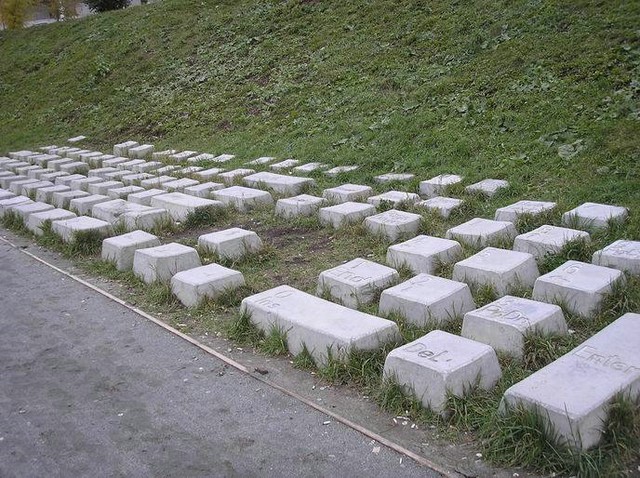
[
  {"x": 76, "y": 139},
  {"x": 480, "y": 232},
  {"x": 260, "y": 161},
  {"x": 281, "y": 184},
  {"x": 203, "y": 190},
  {"x": 46, "y": 194},
  {"x": 68, "y": 228},
  {"x": 302, "y": 205},
  {"x": 190, "y": 170},
  {"x": 25, "y": 210},
  {"x": 114, "y": 162},
  {"x": 436, "y": 186},
  {"x": 578, "y": 286},
  {"x": 16, "y": 186},
  {"x": 75, "y": 167},
  {"x": 160, "y": 263},
  {"x": 103, "y": 188},
  {"x": 129, "y": 165},
  {"x": 163, "y": 154},
  {"x": 180, "y": 205},
  {"x": 393, "y": 224},
  {"x": 37, "y": 173},
  {"x": 504, "y": 323},
  {"x": 193, "y": 286},
  {"x": 501, "y": 269},
  {"x": 7, "y": 204},
  {"x": 594, "y": 216},
  {"x": 488, "y": 187},
  {"x": 345, "y": 213},
  {"x": 24, "y": 170},
  {"x": 201, "y": 158},
  {"x": 6, "y": 181},
  {"x": 123, "y": 148},
  {"x": 516, "y": 210},
  {"x": 286, "y": 164},
  {"x": 132, "y": 179},
  {"x": 394, "y": 198},
  {"x": 309, "y": 168},
  {"x": 123, "y": 193},
  {"x": 84, "y": 205},
  {"x": 166, "y": 169},
  {"x": 67, "y": 179},
  {"x": 101, "y": 172},
  {"x": 117, "y": 175},
  {"x": 333, "y": 172},
  {"x": 32, "y": 188},
  {"x": 207, "y": 174},
  {"x": 182, "y": 156},
  {"x": 393, "y": 178},
  {"x": 56, "y": 163},
  {"x": 230, "y": 177},
  {"x": 427, "y": 299},
  {"x": 622, "y": 255},
  {"x": 156, "y": 181},
  {"x": 36, "y": 221},
  {"x": 113, "y": 210},
  {"x": 147, "y": 167},
  {"x": 547, "y": 240},
  {"x": 20, "y": 154},
  {"x": 441, "y": 205},
  {"x": 43, "y": 160},
  {"x": 53, "y": 176},
  {"x": 141, "y": 151},
  {"x": 573, "y": 394},
  {"x": 318, "y": 325},
  {"x": 178, "y": 185},
  {"x": 347, "y": 193},
  {"x": 356, "y": 282},
  {"x": 243, "y": 198},
  {"x": 423, "y": 254},
  {"x": 15, "y": 165},
  {"x": 83, "y": 184},
  {"x": 439, "y": 364},
  {"x": 120, "y": 249},
  {"x": 95, "y": 158},
  {"x": 146, "y": 219},
  {"x": 62, "y": 199},
  {"x": 75, "y": 155},
  {"x": 223, "y": 158},
  {"x": 6, "y": 194},
  {"x": 231, "y": 244},
  {"x": 144, "y": 197}
]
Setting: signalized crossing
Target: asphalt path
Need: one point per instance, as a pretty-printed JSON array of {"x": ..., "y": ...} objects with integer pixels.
[{"x": 90, "y": 388}]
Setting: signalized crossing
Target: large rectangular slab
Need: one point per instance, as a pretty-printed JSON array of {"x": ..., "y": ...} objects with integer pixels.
[
  {"x": 180, "y": 205},
  {"x": 318, "y": 324},
  {"x": 573, "y": 393},
  {"x": 287, "y": 185}
]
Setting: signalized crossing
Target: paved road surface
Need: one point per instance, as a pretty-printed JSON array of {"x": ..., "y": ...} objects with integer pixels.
[{"x": 88, "y": 388}]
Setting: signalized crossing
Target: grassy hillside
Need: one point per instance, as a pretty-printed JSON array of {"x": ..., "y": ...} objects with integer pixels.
[{"x": 484, "y": 88}]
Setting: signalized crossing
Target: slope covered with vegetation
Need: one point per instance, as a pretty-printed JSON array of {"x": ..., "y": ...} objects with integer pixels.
[{"x": 545, "y": 94}]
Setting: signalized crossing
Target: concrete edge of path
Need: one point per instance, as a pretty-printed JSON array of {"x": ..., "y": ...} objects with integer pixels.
[{"x": 232, "y": 363}]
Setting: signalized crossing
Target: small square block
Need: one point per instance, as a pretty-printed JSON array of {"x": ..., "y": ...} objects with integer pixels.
[
  {"x": 356, "y": 282},
  {"x": 120, "y": 249},
  {"x": 83, "y": 183},
  {"x": 83, "y": 205},
  {"x": 46, "y": 194},
  {"x": 62, "y": 199},
  {"x": 231, "y": 176},
  {"x": 347, "y": 193},
  {"x": 232, "y": 243},
  {"x": 203, "y": 190},
  {"x": 156, "y": 181},
  {"x": 25, "y": 210},
  {"x": 104, "y": 187},
  {"x": 504, "y": 323},
  {"x": 36, "y": 220},
  {"x": 211, "y": 281},
  {"x": 441, "y": 205},
  {"x": 243, "y": 198},
  {"x": 622, "y": 255},
  {"x": 480, "y": 232},
  {"x": 499, "y": 268},
  {"x": 423, "y": 254},
  {"x": 439, "y": 364},
  {"x": 435, "y": 186},
  {"x": 178, "y": 185},
  {"x": 160, "y": 263},
  {"x": 547, "y": 240},
  {"x": 123, "y": 193},
  {"x": 594, "y": 216},
  {"x": 394, "y": 198},
  {"x": 394, "y": 224},
  {"x": 514, "y": 211},
  {"x": 180, "y": 205},
  {"x": 488, "y": 187},
  {"x": 68, "y": 228},
  {"x": 426, "y": 299},
  {"x": 144, "y": 197},
  {"x": 579, "y": 286},
  {"x": 302, "y": 205},
  {"x": 345, "y": 213}
]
